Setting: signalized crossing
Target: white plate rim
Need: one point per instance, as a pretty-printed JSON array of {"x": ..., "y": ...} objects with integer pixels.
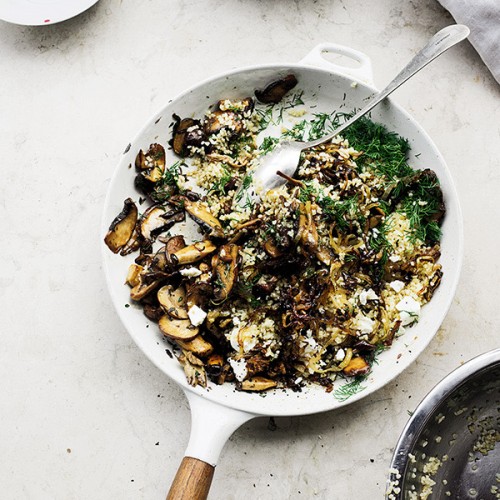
[{"x": 29, "y": 13}]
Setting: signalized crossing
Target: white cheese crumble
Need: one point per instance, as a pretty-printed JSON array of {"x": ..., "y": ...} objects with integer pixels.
[
  {"x": 364, "y": 324},
  {"x": 394, "y": 258},
  {"x": 366, "y": 295},
  {"x": 397, "y": 285},
  {"x": 196, "y": 315},
  {"x": 239, "y": 368},
  {"x": 190, "y": 272},
  {"x": 409, "y": 310},
  {"x": 339, "y": 355}
]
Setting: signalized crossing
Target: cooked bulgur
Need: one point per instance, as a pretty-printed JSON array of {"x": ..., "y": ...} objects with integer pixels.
[{"x": 311, "y": 281}]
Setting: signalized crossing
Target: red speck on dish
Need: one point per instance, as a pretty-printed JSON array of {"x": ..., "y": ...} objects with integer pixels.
[{"x": 47, "y": 21}]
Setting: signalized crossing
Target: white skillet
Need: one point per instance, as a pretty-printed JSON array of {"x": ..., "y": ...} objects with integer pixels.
[{"x": 219, "y": 410}]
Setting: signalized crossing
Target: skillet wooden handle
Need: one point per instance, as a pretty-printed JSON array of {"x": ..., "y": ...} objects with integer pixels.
[{"x": 192, "y": 481}]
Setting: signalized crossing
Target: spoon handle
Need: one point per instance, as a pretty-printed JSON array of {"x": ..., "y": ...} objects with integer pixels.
[{"x": 439, "y": 43}]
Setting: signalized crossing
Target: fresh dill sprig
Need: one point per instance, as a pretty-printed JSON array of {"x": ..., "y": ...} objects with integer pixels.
[
  {"x": 297, "y": 132},
  {"x": 308, "y": 191},
  {"x": 244, "y": 142},
  {"x": 243, "y": 191},
  {"x": 245, "y": 184},
  {"x": 265, "y": 116},
  {"x": 342, "y": 212},
  {"x": 294, "y": 100},
  {"x": 378, "y": 241},
  {"x": 322, "y": 124},
  {"x": 344, "y": 392},
  {"x": 169, "y": 183},
  {"x": 419, "y": 213},
  {"x": 384, "y": 151},
  {"x": 171, "y": 174},
  {"x": 290, "y": 103},
  {"x": 309, "y": 130},
  {"x": 268, "y": 144}
]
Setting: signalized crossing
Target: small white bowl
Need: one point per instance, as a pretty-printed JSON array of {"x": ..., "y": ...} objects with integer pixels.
[{"x": 41, "y": 12}]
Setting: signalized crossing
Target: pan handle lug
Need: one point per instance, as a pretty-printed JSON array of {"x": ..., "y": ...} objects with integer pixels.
[
  {"x": 362, "y": 72},
  {"x": 211, "y": 426}
]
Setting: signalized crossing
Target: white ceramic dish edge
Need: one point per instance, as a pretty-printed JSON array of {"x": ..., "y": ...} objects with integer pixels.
[{"x": 42, "y": 13}]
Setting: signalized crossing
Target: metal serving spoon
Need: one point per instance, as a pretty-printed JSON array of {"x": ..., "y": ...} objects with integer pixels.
[{"x": 285, "y": 157}]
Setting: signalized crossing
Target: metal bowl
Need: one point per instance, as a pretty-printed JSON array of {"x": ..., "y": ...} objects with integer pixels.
[{"x": 448, "y": 447}]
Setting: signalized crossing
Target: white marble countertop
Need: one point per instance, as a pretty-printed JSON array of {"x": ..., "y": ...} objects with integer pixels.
[{"x": 84, "y": 414}]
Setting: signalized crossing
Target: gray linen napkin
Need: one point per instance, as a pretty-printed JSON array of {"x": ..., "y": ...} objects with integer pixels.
[{"x": 483, "y": 19}]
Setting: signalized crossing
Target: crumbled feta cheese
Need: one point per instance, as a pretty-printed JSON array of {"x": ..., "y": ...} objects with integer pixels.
[
  {"x": 364, "y": 324},
  {"x": 190, "y": 272},
  {"x": 339, "y": 355},
  {"x": 239, "y": 368},
  {"x": 196, "y": 315},
  {"x": 394, "y": 258},
  {"x": 367, "y": 295},
  {"x": 409, "y": 310},
  {"x": 397, "y": 285}
]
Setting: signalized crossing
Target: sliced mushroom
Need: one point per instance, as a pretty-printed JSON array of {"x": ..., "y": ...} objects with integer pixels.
[
  {"x": 200, "y": 214},
  {"x": 177, "y": 329},
  {"x": 158, "y": 219},
  {"x": 134, "y": 243},
  {"x": 214, "y": 365},
  {"x": 198, "y": 346},
  {"x": 244, "y": 228},
  {"x": 153, "y": 312},
  {"x": 186, "y": 133},
  {"x": 193, "y": 253},
  {"x": 225, "y": 268},
  {"x": 219, "y": 120},
  {"x": 434, "y": 282},
  {"x": 174, "y": 244},
  {"x": 143, "y": 288},
  {"x": 375, "y": 216},
  {"x": 198, "y": 294},
  {"x": 258, "y": 384},
  {"x": 276, "y": 90},
  {"x": 193, "y": 368},
  {"x": 159, "y": 260},
  {"x": 245, "y": 105},
  {"x": 271, "y": 249},
  {"x": 122, "y": 227},
  {"x": 144, "y": 185},
  {"x": 173, "y": 301},
  {"x": 133, "y": 275},
  {"x": 151, "y": 163},
  {"x": 357, "y": 366}
]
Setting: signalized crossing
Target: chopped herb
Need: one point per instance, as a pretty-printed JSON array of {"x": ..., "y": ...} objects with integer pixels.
[
  {"x": 378, "y": 240},
  {"x": 268, "y": 144},
  {"x": 245, "y": 184},
  {"x": 344, "y": 392},
  {"x": 384, "y": 151},
  {"x": 295, "y": 100},
  {"x": 266, "y": 117}
]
